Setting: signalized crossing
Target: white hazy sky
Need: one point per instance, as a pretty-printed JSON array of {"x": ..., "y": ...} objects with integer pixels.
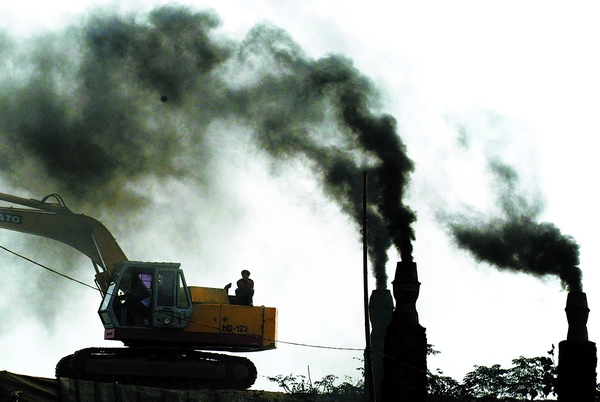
[{"x": 521, "y": 78}]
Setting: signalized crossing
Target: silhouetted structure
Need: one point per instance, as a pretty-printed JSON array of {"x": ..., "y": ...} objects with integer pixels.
[
  {"x": 405, "y": 347},
  {"x": 577, "y": 359},
  {"x": 381, "y": 307}
]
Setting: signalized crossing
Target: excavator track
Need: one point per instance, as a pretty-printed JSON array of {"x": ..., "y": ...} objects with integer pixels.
[{"x": 159, "y": 367}]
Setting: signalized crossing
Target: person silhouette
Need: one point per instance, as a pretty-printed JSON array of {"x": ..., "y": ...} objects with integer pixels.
[{"x": 245, "y": 289}]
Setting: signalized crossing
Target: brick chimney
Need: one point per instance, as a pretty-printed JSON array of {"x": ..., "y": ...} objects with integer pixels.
[
  {"x": 405, "y": 345},
  {"x": 576, "y": 378}
]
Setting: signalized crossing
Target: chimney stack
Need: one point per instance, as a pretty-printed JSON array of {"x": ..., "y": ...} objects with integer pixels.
[
  {"x": 576, "y": 378},
  {"x": 381, "y": 307},
  {"x": 405, "y": 346}
]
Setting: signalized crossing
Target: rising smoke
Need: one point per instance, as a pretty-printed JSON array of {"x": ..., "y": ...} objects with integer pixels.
[
  {"x": 515, "y": 240},
  {"x": 121, "y": 100}
]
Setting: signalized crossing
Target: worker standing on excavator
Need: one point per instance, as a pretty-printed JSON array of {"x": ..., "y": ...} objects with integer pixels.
[{"x": 245, "y": 289}]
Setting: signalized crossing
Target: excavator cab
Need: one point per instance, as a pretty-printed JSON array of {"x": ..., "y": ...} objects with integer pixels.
[{"x": 146, "y": 295}]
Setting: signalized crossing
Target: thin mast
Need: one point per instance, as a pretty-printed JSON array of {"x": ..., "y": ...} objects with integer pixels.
[{"x": 369, "y": 375}]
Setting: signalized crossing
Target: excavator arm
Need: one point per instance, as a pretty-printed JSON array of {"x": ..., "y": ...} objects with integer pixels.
[{"x": 55, "y": 221}]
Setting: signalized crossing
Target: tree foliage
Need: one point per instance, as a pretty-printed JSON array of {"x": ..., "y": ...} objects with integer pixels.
[
  {"x": 439, "y": 384},
  {"x": 349, "y": 390},
  {"x": 528, "y": 378},
  {"x": 487, "y": 382}
]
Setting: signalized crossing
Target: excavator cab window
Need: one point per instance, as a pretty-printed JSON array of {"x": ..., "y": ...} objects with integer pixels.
[
  {"x": 171, "y": 290},
  {"x": 132, "y": 304},
  {"x": 173, "y": 306},
  {"x": 183, "y": 298},
  {"x": 166, "y": 289}
]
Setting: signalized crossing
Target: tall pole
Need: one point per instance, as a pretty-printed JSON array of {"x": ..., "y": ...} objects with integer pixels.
[{"x": 369, "y": 377}]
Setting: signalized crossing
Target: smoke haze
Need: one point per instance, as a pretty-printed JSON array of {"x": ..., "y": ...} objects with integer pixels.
[
  {"x": 120, "y": 100},
  {"x": 515, "y": 241}
]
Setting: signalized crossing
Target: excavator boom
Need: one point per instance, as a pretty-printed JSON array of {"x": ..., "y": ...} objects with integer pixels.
[{"x": 56, "y": 221}]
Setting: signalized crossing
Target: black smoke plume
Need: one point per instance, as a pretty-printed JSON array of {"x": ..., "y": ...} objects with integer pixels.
[
  {"x": 123, "y": 99},
  {"x": 515, "y": 241}
]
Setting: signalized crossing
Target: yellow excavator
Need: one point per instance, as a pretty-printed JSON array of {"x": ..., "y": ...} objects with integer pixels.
[{"x": 170, "y": 330}]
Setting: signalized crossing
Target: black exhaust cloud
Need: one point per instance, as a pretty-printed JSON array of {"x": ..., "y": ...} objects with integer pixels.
[
  {"x": 122, "y": 100},
  {"x": 515, "y": 241}
]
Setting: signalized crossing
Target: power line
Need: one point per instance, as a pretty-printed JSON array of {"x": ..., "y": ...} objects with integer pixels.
[
  {"x": 317, "y": 346},
  {"x": 48, "y": 268}
]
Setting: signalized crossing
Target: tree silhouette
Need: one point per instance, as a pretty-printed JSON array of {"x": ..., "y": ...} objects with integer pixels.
[
  {"x": 530, "y": 378},
  {"x": 439, "y": 384},
  {"x": 487, "y": 382}
]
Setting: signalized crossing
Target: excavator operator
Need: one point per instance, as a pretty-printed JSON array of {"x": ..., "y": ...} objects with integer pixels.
[{"x": 135, "y": 300}]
